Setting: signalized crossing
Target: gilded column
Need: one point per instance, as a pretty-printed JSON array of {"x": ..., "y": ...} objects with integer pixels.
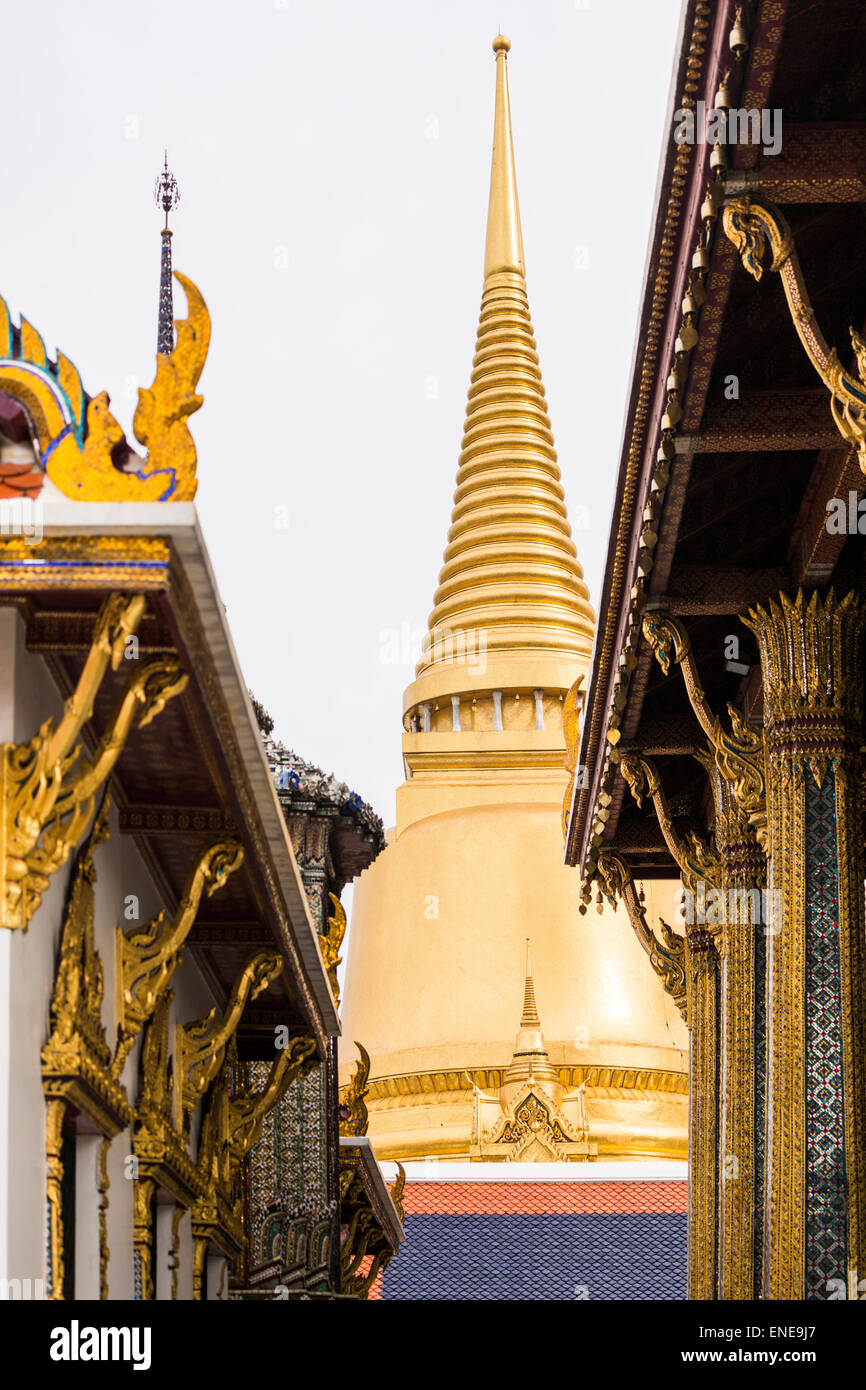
[
  {"x": 702, "y": 981},
  {"x": 741, "y": 944},
  {"x": 811, "y": 662},
  {"x": 142, "y": 1238}
]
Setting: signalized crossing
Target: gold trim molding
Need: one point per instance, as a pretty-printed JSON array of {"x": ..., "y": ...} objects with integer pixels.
[{"x": 440, "y": 1086}]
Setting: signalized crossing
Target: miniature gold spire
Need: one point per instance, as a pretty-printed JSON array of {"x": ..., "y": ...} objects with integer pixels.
[
  {"x": 530, "y": 1017},
  {"x": 530, "y": 1060},
  {"x": 511, "y": 579},
  {"x": 504, "y": 250}
]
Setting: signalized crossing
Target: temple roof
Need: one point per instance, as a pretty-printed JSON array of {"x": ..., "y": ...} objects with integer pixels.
[
  {"x": 521, "y": 1239},
  {"x": 730, "y": 454},
  {"x": 358, "y": 835}
]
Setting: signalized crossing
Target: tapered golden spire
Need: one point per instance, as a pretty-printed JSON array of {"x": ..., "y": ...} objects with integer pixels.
[
  {"x": 530, "y": 1017},
  {"x": 510, "y": 582},
  {"x": 504, "y": 249},
  {"x": 530, "y": 1060}
]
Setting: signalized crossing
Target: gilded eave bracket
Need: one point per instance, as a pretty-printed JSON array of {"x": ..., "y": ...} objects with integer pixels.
[{"x": 751, "y": 222}]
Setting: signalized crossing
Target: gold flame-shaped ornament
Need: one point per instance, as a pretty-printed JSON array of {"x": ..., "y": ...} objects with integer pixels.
[{"x": 78, "y": 443}]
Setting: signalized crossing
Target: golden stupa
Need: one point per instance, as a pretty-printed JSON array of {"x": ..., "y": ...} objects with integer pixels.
[{"x": 474, "y": 866}]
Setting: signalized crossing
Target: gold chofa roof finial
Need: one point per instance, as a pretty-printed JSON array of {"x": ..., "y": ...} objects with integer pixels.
[
  {"x": 530, "y": 1017},
  {"x": 504, "y": 250}
]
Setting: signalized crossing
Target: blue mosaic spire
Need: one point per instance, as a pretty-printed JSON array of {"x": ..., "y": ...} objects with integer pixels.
[{"x": 167, "y": 196}]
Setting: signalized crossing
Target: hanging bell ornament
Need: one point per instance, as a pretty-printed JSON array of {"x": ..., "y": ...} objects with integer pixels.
[{"x": 738, "y": 39}]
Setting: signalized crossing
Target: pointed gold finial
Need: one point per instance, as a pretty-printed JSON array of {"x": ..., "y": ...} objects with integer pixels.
[
  {"x": 530, "y": 1060},
  {"x": 504, "y": 249},
  {"x": 530, "y": 1017}
]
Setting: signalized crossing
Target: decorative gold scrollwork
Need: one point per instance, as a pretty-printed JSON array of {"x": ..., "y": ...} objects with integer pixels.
[
  {"x": 201, "y": 1046},
  {"x": 149, "y": 955},
  {"x": 397, "y": 1189},
  {"x": 247, "y": 1113},
  {"x": 696, "y": 860},
  {"x": 739, "y": 757},
  {"x": 78, "y": 438},
  {"x": 162, "y": 412},
  {"x": 331, "y": 941},
  {"x": 353, "y": 1111},
  {"x": 35, "y": 792},
  {"x": 571, "y": 708},
  {"x": 750, "y": 222},
  {"x": 76, "y": 1059},
  {"x": 668, "y": 956}
]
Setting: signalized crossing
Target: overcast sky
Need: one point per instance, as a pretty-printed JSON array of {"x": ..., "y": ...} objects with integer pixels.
[{"x": 334, "y": 164}]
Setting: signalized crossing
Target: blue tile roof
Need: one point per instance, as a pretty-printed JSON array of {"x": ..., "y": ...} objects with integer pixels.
[{"x": 553, "y": 1256}]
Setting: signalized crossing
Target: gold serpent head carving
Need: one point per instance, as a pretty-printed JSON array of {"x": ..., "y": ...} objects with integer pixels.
[
  {"x": 247, "y": 1113},
  {"x": 162, "y": 412},
  {"x": 81, "y": 446},
  {"x": 639, "y": 775},
  {"x": 353, "y": 1111},
  {"x": 614, "y": 874},
  {"x": 749, "y": 222},
  {"x": 663, "y": 637}
]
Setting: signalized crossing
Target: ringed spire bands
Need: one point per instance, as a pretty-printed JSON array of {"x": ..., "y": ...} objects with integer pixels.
[{"x": 510, "y": 571}]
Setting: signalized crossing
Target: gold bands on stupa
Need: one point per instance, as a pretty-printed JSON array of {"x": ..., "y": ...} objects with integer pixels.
[{"x": 510, "y": 569}]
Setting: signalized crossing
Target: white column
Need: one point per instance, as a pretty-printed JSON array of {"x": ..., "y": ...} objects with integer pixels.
[
  {"x": 455, "y": 713},
  {"x": 217, "y": 1276},
  {"x": 162, "y": 1250},
  {"x": 497, "y": 709},
  {"x": 539, "y": 708},
  {"x": 87, "y": 1148}
]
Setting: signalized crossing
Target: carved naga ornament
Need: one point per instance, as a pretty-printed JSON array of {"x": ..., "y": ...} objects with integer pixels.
[
  {"x": 47, "y": 788},
  {"x": 739, "y": 755},
  {"x": 697, "y": 861},
  {"x": 750, "y": 223},
  {"x": 149, "y": 955},
  {"x": 353, "y": 1110},
  {"x": 668, "y": 956},
  {"x": 81, "y": 447},
  {"x": 201, "y": 1046},
  {"x": 331, "y": 941}
]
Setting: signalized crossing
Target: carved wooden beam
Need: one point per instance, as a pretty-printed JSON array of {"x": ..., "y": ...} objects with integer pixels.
[
  {"x": 61, "y": 630},
  {"x": 814, "y": 550},
  {"x": 720, "y": 589},
  {"x": 247, "y": 1113},
  {"x": 818, "y": 163},
  {"x": 698, "y": 862},
  {"x": 668, "y": 735},
  {"x": 769, "y": 421},
  {"x": 152, "y": 819}
]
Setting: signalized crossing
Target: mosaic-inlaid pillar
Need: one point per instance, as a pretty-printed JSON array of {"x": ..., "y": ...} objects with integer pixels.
[
  {"x": 703, "y": 975},
  {"x": 812, "y": 667}
]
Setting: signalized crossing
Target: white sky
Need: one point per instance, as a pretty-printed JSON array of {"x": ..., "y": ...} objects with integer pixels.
[{"x": 339, "y": 248}]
